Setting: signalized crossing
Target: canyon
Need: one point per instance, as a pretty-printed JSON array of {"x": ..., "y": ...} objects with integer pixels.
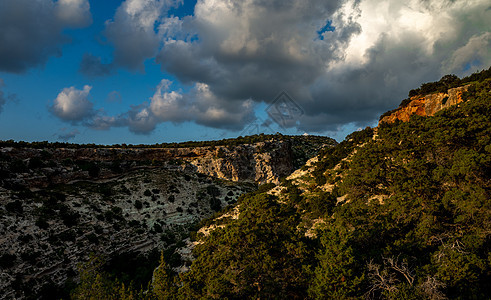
[{"x": 60, "y": 205}]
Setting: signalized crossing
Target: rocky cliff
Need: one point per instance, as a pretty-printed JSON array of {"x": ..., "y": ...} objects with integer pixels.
[
  {"x": 260, "y": 162},
  {"x": 426, "y": 105}
]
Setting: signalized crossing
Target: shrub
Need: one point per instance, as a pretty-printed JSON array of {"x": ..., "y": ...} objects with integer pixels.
[
  {"x": 15, "y": 207},
  {"x": 18, "y": 166},
  {"x": 93, "y": 238},
  {"x": 7, "y": 260},
  {"x": 215, "y": 204},
  {"x": 42, "y": 223},
  {"x": 213, "y": 191},
  {"x": 35, "y": 163}
]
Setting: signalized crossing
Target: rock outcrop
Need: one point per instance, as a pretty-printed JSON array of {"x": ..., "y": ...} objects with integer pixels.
[
  {"x": 260, "y": 162},
  {"x": 426, "y": 105}
]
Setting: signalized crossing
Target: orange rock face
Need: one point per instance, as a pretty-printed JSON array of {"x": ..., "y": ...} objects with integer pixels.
[{"x": 426, "y": 105}]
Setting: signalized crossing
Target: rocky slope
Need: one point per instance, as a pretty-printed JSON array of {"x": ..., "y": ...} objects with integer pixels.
[
  {"x": 426, "y": 105},
  {"x": 58, "y": 205}
]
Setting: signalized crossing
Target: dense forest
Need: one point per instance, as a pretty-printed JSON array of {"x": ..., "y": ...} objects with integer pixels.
[{"x": 402, "y": 211}]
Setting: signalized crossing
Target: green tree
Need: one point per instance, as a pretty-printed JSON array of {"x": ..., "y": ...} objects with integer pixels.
[
  {"x": 163, "y": 286},
  {"x": 336, "y": 276}
]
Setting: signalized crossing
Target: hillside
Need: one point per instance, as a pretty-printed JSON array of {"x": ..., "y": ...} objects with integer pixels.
[
  {"x": 61, "y": 202},
  {"x": 401, "y": 211}
]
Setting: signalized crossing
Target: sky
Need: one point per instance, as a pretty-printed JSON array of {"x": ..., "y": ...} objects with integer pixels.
[{"x": 154, "y": 71}]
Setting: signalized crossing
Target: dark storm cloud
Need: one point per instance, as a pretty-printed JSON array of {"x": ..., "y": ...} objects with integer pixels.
[
  {"x": 256, "y": 49},
  {"x": 92, "y": 66},
  {"x": 31, "y": 31},
  {"x": 376, "y": 53}
]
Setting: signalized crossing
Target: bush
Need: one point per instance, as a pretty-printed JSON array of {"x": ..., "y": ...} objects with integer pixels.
[
  {"x": 35, "y": 163},
  {"x": 213, "y": 191},
  {"x": 215, "y": 204},
  {"x": 93, "y": 238},
  {"x": 14, "y": 207},
  {"x": 7, "y": 260},
  {"x": 18, "y": 166},
  {"x": 157, "y": 228},
  {"x": 42, "y": 223}
]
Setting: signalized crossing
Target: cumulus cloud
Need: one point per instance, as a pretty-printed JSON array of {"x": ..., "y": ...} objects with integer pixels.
[
  {"x": 31, "y": 31},
  {"x": 200, "y": 105},
  {"x": 73, "y": 105},
  {"x": 141, "y": 120},
  {"x": 132, "y": 33}
]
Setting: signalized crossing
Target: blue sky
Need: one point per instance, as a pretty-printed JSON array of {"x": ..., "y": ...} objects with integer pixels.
[{"x": 152, "y": 71}]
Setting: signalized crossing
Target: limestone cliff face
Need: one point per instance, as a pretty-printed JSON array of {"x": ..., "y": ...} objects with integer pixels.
[
  {"x": 426, "y": 105},
  {"x": 260, "y": 162}
]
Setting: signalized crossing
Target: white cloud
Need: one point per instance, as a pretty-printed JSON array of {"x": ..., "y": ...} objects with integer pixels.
[
  {"x": 73, "y": 13},
  {"x": 167, "y": 106},
  {"x": 73, "y": 105},
  {"x": 200, "y": 105}
]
